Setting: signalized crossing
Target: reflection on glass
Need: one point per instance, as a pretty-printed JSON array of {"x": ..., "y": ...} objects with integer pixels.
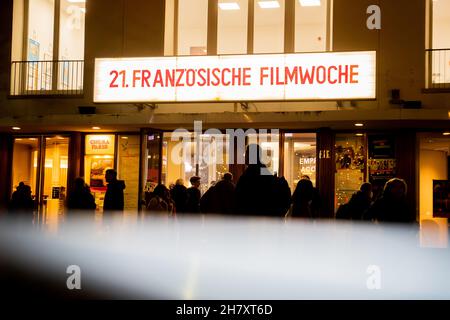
[
  {"x": 270, "y": 145},
  {"x": 232, "y": 28},
  {"x": 299, "y": 157},
  {"x": 269, "y": 27},
  {"x": 207, "y": 156},
  {"x": 350, "y": 158},
  {"x": 192, "y": 27}
]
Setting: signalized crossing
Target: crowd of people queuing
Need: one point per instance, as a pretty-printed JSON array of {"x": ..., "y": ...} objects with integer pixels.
[{"x": 257, "y": 193}]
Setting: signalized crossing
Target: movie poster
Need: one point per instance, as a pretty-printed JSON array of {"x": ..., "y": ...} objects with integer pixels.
[{"x": 97, "y": 173}]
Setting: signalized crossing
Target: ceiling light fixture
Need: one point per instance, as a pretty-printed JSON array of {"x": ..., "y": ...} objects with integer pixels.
[
  {"x": 96, "y": 128},
  {"x": 16, "y": 128},
  {"x": 229, "y": 6},
  {"x": 272, "y": 4},
  {"x": 310, "y": 3},
  {"x": 359, "y": 124}
]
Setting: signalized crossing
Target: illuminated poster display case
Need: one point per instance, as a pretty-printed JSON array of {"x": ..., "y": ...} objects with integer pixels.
[{"x": 99, "y": 157}]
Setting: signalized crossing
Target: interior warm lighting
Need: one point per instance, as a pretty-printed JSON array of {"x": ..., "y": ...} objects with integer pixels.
[
  {"x": 32, "y": 139},
  {"x": 359, "y": 134},
  {"x": 19, "y": 139},
  {"x": 229, "y": 6},
  {"x": 268, "y": 4},
  {"x": 16, "y": 128},
  {"x": 310, "y": 3},
  {"x": 124, "y": 137},
  {"x": 359, "y": 124},
  {"x": 446, "y": 133},
  {"x": 96, "y": 128}
]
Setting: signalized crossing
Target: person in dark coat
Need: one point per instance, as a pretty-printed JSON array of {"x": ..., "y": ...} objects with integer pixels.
[
  {"x": 114, "y": 193},
  {"x": 193, "y": 196},
  {"x": 179, "y": 196},
  {"x": 223, "y": 196},
  {"x": 22, "y": 200},
  {"x": 392, "y": 206},
  {"x": 302, "y": 200},
  {"x": 220, "y": 197},
  {"x": 358, "y": 205},
  {"x": 258, "y": 192},
  {"x": 80, "y": 197}
]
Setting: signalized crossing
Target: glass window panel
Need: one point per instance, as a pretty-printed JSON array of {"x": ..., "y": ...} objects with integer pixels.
[
  {"x": 299, "y": 157},
  {"x": 441, "y": 40},
  {"x": 207, "y": 157},
  {"x": 192, "y": 27},
  {"x": 25, "y": 163},
  {"x": 350, "y": 158},
  {"x": 232, "y": 28},
  {"x": 71, "y": 44},
  {"x": 311, "y": 26},
  {"x": 40, "y": 44},
  {"x": 269, "y": 26},
  {"x": 55, "y": 179},
  {"x": 71, "y": 30},
  {"x": 40, "y": 30},
  {"x": 270, "y": 145}
]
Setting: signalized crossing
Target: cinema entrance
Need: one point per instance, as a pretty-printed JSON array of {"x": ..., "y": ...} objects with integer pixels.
[{"x": 41, "y": 162}]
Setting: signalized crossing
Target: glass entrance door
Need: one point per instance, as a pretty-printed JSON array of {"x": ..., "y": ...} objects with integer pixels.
[
  {"x": 54, "y": 182},
  {"x": 25, "y": 170},
  {"x": 41, "y": 162}
]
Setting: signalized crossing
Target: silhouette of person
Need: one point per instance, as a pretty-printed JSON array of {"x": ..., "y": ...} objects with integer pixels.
[
  {"x": 22, "y": 200},
  {"x": 258, "y": 192},
  {"x": 392, "y": 205},
  {"x": 179, "y": 196},
  {"x": 114, "y": 199},
  {"x": 161, "y": 201},
  {"x": 193, "y": 195},
  {"x": 358, "y": 204},
  {"x": 80, "y": 197},
  {"x": 220, "y": 197},
  {"x": 302, "y": 200}
]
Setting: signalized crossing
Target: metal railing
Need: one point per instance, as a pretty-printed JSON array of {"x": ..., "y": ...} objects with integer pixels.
[
  {"x": 438, "y": 62},
  {"x": 40, "y": 78}
]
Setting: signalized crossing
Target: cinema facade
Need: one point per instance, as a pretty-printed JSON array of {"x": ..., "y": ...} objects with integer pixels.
[{"x": 91, "y": 85}]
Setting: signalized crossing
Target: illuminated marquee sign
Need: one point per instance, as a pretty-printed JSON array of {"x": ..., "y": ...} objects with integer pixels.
[{"x": 267, "y": 77}]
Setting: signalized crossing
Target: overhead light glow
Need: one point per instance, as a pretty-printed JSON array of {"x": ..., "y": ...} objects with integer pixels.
[
  {"x": 229, "y": 6},
  {"x": 446, "y": 133},
  {"x": 96, "y": 128},
  {"x": 268, "y": 4},
  {"x": 359, "y": 124},
  {"x": 310, "y": 3},
  {"x": 16, "y": 128}
]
